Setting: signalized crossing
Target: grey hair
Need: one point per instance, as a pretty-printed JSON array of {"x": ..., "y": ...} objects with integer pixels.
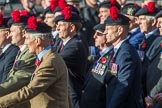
[
  {"x": 43, "y": 36},
  {"x": 150, "y": 17}
]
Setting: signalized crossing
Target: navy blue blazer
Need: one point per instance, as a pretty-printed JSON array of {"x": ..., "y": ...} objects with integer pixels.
[
  {"x": 124, "y": 89},
  {"x": 136, "y": 38},
  {"x": 75, "y": 55},
  {"x": 6, "y": 60}
]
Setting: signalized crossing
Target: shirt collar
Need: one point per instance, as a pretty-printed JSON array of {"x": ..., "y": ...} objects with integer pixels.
[
  {"x": 42, "y": 53},
  {"x": 105, "y": 50},
  {"x": 151, "y": 33},
  {"x": 54, "y": 34},
  {"x": 6, "y": 47},
  {"x": 134, "y": 30},
  {"x": 65, "y": 42},
  {"x": 23, "y": 47},
  {"x": 118, "y": 45}
]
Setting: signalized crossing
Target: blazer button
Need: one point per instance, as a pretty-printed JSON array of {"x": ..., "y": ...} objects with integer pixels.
[{"x": 82, "y": 91}]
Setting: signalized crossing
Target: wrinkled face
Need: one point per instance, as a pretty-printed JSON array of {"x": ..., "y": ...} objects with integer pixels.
[
  {"x": 17, "y": 35},
  {"x": 64, "y": 29},
  {"x": 103, "y": 14},
  {"x": 159, "y": 24},
  {"x": 144, "y": 23},
  {"x": 100, "y": 39},
  {"x": 111, "y": 34},
  {"x": 31, "y": 43},
  {"x": 3, "y": 37},
  {"x": 49, "y": 20}
]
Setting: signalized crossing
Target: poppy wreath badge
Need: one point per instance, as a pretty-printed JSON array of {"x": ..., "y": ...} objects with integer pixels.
[{"x": 103, "y": 60}]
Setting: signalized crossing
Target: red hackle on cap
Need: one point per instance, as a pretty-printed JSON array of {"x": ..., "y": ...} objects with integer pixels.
[
  {"x": 53, "y": 4},
  {"x": 114, "y": 13},
  {"x": 32, "y": 23},
  {"x": 16, "y": 16},
  {"x": 67, "y": 12},
  {"x": 1, "y": 19},
  {"x": 24, "y": 13},
  {"x": 62, "y": 4},
  {"x": 113, "y": 2},
  {"x": 151, "y": 7}
]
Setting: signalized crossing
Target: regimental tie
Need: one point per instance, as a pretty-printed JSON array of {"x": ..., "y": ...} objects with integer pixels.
[{"x": 112, "y": 59}]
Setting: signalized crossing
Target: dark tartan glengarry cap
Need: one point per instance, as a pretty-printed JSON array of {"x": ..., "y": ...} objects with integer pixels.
[
  {"x": 150, "y": 10},
  {"x": 130, "y": 9},
  {"x": 99, "y": 27},
  {"x": 115, "y": 18}
]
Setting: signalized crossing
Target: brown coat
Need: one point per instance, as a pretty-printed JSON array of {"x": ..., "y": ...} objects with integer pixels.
[{"x": 48, "y": 89}]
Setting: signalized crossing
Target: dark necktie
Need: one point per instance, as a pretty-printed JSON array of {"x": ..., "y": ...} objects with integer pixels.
[{"x": 112, "y": 60}]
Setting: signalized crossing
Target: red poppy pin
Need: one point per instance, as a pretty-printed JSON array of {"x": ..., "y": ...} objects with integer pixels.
[
  {"x": 143, "y": 45},
  {"x": 103, "y": 59},
  {"x": 37, "y": 62}
]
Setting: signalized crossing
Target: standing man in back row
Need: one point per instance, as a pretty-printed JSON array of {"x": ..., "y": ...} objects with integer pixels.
[
  {"x": 123, "y": 79},
  {"x": 73, "y": 51}
]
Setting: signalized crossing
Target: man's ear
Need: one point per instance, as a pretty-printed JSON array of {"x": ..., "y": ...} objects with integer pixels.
[
  {"x": 120, "y": 30},
  {"x": 7, "y": 33},
  {"x": 23, "y": 32},
  {"x": 136, "y": 20},
  {"x": 38, "y": 41},
  {"x": 73, "y": 27},
  {"x": 154, "y": 21}
]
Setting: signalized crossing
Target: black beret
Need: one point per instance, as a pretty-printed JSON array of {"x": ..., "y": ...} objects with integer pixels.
[
  {"x": 75, "y": 1},
  {"x": 4, "y": 22},
  {"x": 37, "y": 27},
  {"x": 108, "y": 4},
  {"x": 99, "y": 27},
  {"x": 159, "y": 14},
  {"x": 122, "y": 20},
  {"x": 48, "y": 10},
  {"x": 116, "y": 18},
  {"x": 130, "y": 9},
  {"x": 150, "y": 10},
  {"x": 74, "y": 18},
  {"x": 19, "y": 17}
]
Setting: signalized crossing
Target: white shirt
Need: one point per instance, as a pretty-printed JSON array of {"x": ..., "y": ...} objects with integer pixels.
[
  {"x": 65, "y": 42},
  {"x": 6, "y": 47},
  {"x": 23, "y": 47},
  {"x": 150, "y": 33}
]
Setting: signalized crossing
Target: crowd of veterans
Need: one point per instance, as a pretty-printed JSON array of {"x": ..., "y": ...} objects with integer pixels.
[{"x": 94, "y": 55}]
